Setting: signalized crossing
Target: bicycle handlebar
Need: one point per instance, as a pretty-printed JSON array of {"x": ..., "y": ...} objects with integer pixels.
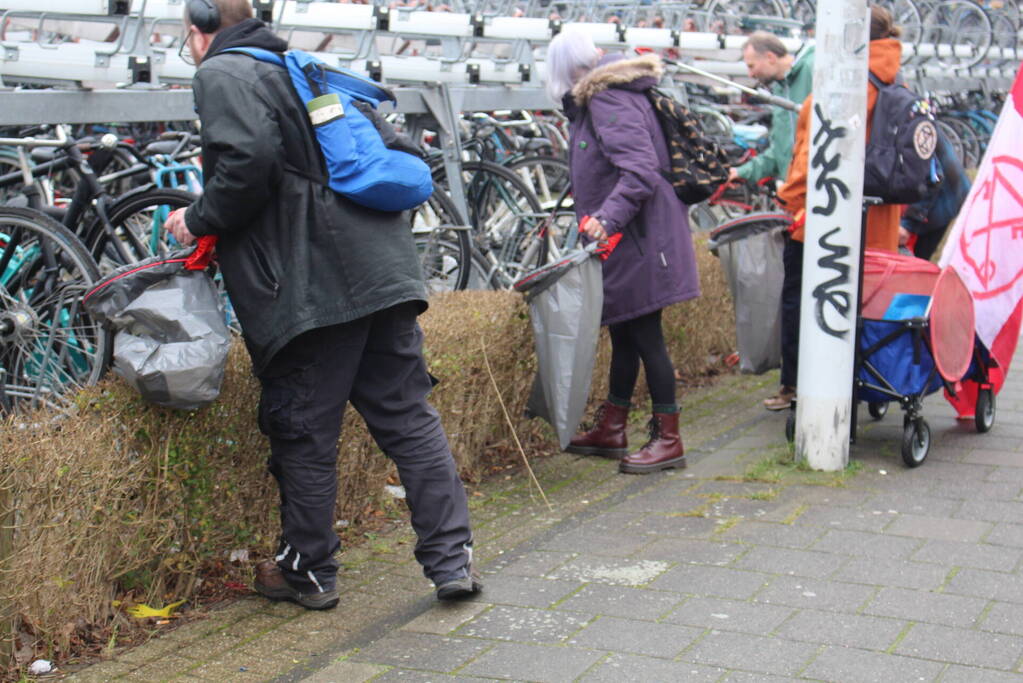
[
  {"x": 513, "y": 123},
  {"x": 184, "y": 135},
  {"x": 184, "y": 140},
  {"x": 62, "y": 139}
]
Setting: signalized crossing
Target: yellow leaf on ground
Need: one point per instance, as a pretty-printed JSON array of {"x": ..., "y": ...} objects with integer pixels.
[{"x": 145, "y": 611}]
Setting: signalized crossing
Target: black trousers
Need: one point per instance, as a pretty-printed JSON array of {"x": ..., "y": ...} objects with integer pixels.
[
  {"x": 791, "y": 292},
  {"x": 641, "y": 339},
  {"x": 927, "y": 243},
  {"x": 375, "y": 362}
]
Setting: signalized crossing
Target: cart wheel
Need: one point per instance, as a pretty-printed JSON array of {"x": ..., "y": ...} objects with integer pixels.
[
  {"x": 877, "y": 409},
  {"x": 985, "y": 410},
  {"x": 916, "y": 442},
  {"x": 790, "y": 427}
]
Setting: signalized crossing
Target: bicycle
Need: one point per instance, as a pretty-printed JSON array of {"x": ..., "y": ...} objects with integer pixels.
[
  {"x": 443, "y": 244},
  {"x": 114, "y": 230},
  {"x": 505, "y": 217},
  {"x": 49, "y": 346}
]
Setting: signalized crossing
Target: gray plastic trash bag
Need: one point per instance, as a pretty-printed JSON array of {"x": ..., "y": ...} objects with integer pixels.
[
  {"x": 172, "y": 339},
  {"x": 750, "y": 249},
  {"x": 565, "y": 301}
]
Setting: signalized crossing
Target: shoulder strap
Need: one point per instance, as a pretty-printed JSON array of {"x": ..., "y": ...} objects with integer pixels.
[
  {"x": 258, "y": 53},
  {"x": 278, "y": 59},
  {"x": 878, "y": 83},
  {"x": 310, "y": 69}
]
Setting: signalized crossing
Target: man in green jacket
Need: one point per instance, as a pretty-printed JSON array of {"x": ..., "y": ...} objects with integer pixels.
[{"x": 789, "y": 76}]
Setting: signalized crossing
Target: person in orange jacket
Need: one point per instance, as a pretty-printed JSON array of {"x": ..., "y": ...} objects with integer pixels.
[{"x": 882, "y": 221}]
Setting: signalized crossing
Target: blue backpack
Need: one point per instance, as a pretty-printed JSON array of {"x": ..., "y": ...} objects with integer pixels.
[{"x": 342, "y": 109}]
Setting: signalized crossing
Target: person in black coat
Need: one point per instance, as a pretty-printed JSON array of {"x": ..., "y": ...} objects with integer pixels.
[
  {"x": 327, "y": 293},
  {"x": 924, "y": 224}
]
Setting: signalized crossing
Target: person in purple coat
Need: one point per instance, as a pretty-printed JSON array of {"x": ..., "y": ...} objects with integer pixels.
[{"x": 616, "y": 157}]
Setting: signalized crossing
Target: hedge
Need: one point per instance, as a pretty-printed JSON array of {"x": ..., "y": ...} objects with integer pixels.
[{"x": 125, "y": 501}]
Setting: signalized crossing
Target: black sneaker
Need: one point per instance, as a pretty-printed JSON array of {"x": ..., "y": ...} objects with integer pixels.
[
  {"x": 271, "y": 583},
  {"x": 459, "y": 587}
]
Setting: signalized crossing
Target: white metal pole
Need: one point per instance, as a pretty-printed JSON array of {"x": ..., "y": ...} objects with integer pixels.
[{"x": 827, "y": 330}]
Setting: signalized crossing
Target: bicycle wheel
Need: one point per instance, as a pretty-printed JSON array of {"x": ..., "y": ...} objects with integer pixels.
[
  {"x": 548, "y": 178},
  {"x": 968, "y": 139},
  {"x": 65, "y": 180},
  {"x": 714, "y": 124},
  {"x": 1005, "y": 31},
  {"x": 955, "y": 26},
  {"x": 736, "y": 200},
  {"x": 545, "y": 176},
  {"x": 121, "y": 159},
  {"x": 953, "y": 138},
  {"x": 805, "y": 12},
  {"x": 743, "y": 16},
  {"x": 442, "y": 242},
  {"x": 507, "y": 219},
  {"x": 49, "y": 346},
  {"x": 907, "y": 17},
  {"x": 136, "y": 221},
  {"x": 702, "y": 218},
  {"x": 9, "y": 163}
]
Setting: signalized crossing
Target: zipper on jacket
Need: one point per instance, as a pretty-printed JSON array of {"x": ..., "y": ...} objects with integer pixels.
[{"x": 267, "y": 271}]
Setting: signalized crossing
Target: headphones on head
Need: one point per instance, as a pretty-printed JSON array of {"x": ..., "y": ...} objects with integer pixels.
[{"x": 204, "y": 15}]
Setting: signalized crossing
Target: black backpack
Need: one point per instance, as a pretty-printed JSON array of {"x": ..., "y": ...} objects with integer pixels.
[
  {"x": 697, "y": 164},
  {"x": 900, "y": 164}
]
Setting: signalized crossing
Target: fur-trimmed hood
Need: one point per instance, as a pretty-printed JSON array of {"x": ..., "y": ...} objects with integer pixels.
[{"x": 639, "y": 73}]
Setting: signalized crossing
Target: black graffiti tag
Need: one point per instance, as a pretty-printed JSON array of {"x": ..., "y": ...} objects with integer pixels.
[
  {"x": 820, "y": 160},
  {"x": 833, "y": 293}
]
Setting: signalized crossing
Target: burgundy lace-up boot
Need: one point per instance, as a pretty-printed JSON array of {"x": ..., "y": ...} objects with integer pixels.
[
  {"x": 663, "y": 451},
  {"x": 607, "y": 437}
]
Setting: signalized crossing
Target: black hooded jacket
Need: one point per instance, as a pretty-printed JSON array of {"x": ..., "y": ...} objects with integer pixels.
[{"x": 295, "y": 255}]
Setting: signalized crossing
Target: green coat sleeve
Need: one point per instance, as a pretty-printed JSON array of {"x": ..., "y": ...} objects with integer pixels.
[
  {"x": 766, "y": 164},
  {"x": 774, "y": 161}
]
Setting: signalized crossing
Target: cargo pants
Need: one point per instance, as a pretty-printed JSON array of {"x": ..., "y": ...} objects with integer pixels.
[{"x": 375, "y": 362}]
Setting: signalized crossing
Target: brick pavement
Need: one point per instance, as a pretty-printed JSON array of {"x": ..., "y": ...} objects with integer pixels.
[{"x": 887, "y": 574}]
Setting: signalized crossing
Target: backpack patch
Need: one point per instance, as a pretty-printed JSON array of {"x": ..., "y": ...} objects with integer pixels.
[
  {"x": 360, "y": 164},
  {"x": 900, "y": 166},
  {"x": 925, "y": 139},
  {"x": 697, "y": 165}
]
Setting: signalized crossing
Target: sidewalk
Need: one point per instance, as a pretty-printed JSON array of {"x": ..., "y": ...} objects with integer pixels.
[{"x": 878, "y": 574}]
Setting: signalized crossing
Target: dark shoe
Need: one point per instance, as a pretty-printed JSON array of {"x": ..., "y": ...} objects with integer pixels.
[
  {"x": 271, "y": 583},
  {"x": 782, "y": 400},
  {"x": 607, "y": 438},
  {"x": 459, "y": 587},
  {"x": 662, "y": 452}
]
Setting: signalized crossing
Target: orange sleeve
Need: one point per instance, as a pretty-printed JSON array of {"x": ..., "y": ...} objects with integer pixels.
[{"x": 793, "y": 190}]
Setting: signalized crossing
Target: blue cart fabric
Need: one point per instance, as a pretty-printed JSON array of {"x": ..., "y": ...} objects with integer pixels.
[
  {"x": 905, "y": 361},
  {"x": 905, "y": 306}
]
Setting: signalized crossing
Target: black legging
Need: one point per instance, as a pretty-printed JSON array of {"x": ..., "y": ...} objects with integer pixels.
[{"x": 642, "y": 339}]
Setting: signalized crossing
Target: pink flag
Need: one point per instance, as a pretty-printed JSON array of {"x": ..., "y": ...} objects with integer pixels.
[{"x": 985, "y": 245}]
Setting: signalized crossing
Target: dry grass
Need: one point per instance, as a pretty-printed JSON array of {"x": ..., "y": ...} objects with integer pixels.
[{"x": 131, "y": 502}]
